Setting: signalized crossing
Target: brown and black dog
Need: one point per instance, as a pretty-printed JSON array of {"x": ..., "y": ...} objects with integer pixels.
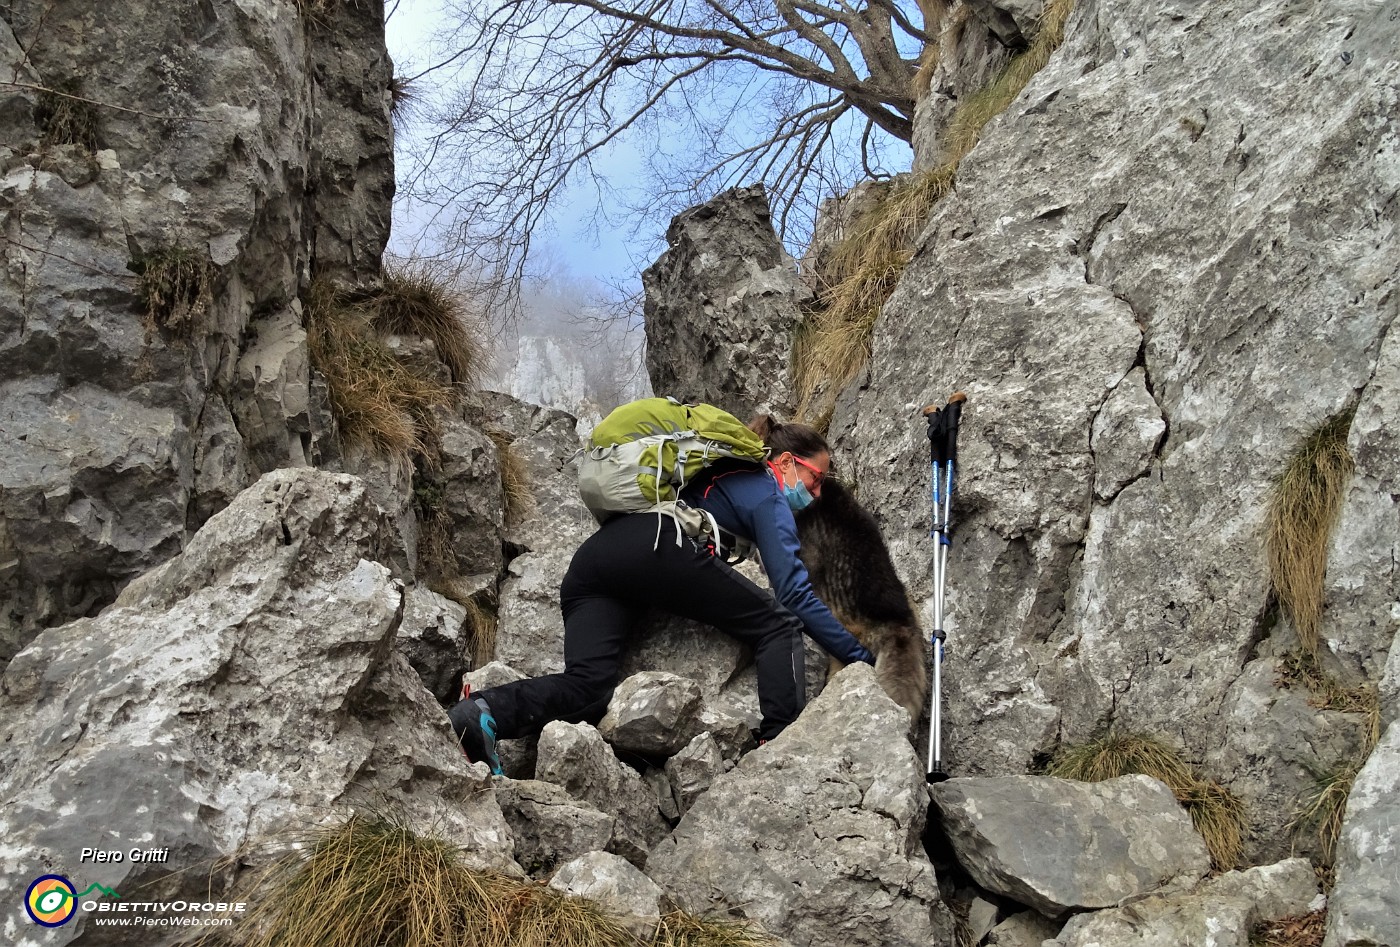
[{"x": 851, "y": 571}]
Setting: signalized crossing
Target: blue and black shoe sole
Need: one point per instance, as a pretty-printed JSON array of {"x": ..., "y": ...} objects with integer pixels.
[{"x": 476, "y": 733}]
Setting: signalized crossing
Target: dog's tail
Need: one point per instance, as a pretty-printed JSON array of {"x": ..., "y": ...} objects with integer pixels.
[{"x": 903, "y": 672}]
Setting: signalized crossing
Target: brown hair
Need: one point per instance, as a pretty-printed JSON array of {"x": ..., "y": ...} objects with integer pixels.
[{"x": 782, "y": 438}]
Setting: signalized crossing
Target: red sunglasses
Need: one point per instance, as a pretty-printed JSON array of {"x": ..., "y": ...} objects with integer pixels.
[{"x": 820, "y": 474}]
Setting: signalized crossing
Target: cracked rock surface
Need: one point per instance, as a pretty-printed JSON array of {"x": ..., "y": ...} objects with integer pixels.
[
  {"x": 1171, "y": 259},
  {"x": 229, "y": 700},
  {"x": 252, "y": 142}
]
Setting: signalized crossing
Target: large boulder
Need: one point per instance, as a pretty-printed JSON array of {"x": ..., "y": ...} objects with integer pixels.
[
  {"x": 1057, "y": 845},
  {"x": 816, "y": 836},
  {"x": 244, "y": 144},
  {"x": 228, "y": 700},
  {"x": 725, "y": 274},
  {"x": 693, "y": 770},
  {"x": 1186, "y": 202},
  {"x": 433, "y": 638}
]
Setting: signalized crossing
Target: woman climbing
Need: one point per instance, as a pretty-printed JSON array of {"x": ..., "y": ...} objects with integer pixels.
[{"x": 621, "y": 571}]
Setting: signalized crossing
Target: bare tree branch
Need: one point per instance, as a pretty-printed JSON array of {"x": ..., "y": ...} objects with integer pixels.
[{"x": 803, "y": 95}]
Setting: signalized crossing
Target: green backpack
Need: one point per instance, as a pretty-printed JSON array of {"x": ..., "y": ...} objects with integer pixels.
[{"x": 643, "y": 453}]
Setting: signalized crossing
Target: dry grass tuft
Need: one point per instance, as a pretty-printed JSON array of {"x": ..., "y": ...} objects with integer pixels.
[
  {"x": 65, "y": 117},
  {"x": 177, "y": 285},
  {"x": 371, "y": 882},
  {"x": 1325, "y": 807},
  {"x": 1303, "y": 930},
  {"x": 418, "y": 300},
  {"x": 1216, "y": 813},
  {"x": 515, "y": 477},
  {"x": 378, "y": 401},
  {"x": 481, "y": 620},
  {"x": 859, "y": 277},
  {"x": 679, "y": 929},
  {"x": 1112, "y": 756},
  {"x": 481, "y": 632},
  {"x": 1303, "y": 510},
  {"x": 403, "y": 95},
  {"x": 869, "y": 261},
  {"x": 1219, "y": 815}
]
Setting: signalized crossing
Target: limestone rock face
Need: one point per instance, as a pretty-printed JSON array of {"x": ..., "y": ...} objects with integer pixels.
[
  {"x": 249, "y": 140},
  {"x": 467, "y": 504},
  {"x": 827, "y": 815},
  {"x": 1361, "y": 571},
  {"x": 1058, "y": 845},
  {"x": 1283, "y": 742},
  {"x": 531, "y": 629},
  {"x": 244, "y": 689},
  {"x": 433, "y": 639},
  {"x": 1364, "y": 907},
  {"x": 974, "y": 43},
  {"x": 725, "y": 274},
  {"x": 1163, "y": 266}
]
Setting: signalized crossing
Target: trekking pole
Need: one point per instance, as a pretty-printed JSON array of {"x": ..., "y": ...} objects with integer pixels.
[{"x": 943, "y": 453}]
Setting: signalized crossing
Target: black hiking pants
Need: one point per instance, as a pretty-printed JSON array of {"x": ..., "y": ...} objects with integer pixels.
[{"x": 614, "y": 578}]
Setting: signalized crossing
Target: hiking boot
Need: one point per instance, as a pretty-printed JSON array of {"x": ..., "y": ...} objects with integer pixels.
[{"x": 476, "y": 732}]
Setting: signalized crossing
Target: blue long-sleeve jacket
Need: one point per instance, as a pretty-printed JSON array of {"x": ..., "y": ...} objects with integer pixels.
[{"x": 747, "y": 501}]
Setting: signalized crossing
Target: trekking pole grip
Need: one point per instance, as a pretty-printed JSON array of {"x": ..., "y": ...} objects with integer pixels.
[
  {"x": 952, "y": 415},
  {"x": 932, "y": 414}
]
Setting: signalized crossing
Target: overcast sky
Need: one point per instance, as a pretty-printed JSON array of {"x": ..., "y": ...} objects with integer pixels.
[{"x": 605, "y": 255}]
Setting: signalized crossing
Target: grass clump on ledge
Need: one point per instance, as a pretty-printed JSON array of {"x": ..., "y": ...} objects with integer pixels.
[
  {"x": 1216, "y": 813},
  {"x": 965, "y": 128},
  {"x": 1323, "y": 809},
  {"x": 177, "y": 286},
  {"x": 416, "y": 299},
  {"x": 515, "y": 477},
  {"x": 1327, "y": 693},
  {"x": 857, "y": 280},
  {"x": 378, "y": 401},
  {"x": 1303, "y": 510},
  {"x": 66, "y": 117},
  {"x": 871, "y": 256},
  {"x": 679, "y": 929},
  {"x": 371, "y": 882}
]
